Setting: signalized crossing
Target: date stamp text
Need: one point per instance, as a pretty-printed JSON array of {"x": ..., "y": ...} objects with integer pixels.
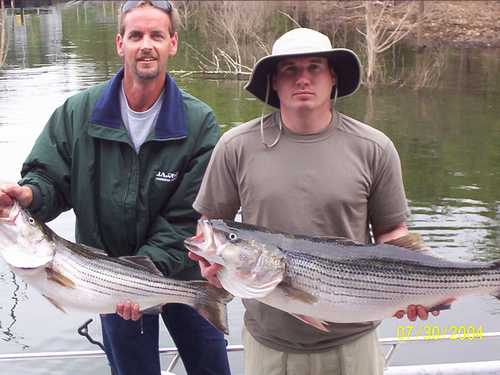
[{"x": 437, "y": 332}]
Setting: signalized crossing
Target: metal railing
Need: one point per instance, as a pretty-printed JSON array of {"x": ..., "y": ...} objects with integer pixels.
[{"x": 393, "y": 342}]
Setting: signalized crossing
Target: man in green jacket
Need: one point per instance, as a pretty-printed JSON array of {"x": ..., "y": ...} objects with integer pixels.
[{"x": 128, "y": 157}]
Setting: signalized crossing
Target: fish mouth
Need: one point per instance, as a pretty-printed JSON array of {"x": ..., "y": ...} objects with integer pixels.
[
  {"x": 200, "y": 243},
  {"x": 8, "y": 230},
  {"x": 195, "y": 243},
  {"x": 205, "y": 243},
  {"x": 13, "y": 214}
]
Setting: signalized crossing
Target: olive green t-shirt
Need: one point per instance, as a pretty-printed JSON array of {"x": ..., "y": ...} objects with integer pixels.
[{"x": 332, "y": 183}]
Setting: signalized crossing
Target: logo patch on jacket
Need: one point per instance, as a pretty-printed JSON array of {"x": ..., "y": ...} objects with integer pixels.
[{"x": 166, "y": 176}]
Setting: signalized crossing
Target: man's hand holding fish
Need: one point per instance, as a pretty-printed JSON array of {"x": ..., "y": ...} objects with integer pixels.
[{"x": 9, "y": 193}]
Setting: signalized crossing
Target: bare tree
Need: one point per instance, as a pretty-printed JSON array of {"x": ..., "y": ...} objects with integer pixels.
[
  {"x": 420, "y": 21},
  {"x": 3, "y": 37},
  {"x": 186, "y": 11},
  {"x": 233, "y": 24},
  {"x": 381, "y": 34}
]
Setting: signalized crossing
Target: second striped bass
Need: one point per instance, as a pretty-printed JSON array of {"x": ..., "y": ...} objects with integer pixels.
[
  {"x": 334, "y": 280},
  {"x": 73, "y": 276}
]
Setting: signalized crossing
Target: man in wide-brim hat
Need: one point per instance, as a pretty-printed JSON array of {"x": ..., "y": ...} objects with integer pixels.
[{"x": 306, "y": 169}]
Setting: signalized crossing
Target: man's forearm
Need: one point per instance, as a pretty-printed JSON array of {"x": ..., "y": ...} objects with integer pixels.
[{"x": 397, "y": 232}]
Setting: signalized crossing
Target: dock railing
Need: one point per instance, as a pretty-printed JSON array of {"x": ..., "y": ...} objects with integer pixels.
[{"x": 464, "y": 368}]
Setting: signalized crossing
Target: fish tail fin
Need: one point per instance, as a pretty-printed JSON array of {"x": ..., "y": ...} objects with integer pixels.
[
  {"x": 496, "y": 293},
  {"x": 210, "y": 302},
  {"x": 496, "y": 264}
]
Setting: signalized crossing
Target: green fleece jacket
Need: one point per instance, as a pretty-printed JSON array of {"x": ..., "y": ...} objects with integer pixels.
[{"x": 125, "y": 203}]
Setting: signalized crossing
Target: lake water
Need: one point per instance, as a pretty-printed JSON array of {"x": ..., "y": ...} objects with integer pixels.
[{"x": 448, "y": 139}]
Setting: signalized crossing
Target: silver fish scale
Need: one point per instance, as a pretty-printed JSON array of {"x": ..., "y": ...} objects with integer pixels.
[
  {"x": 109, "y": 277},
  {"x": 358, "y": 280}
]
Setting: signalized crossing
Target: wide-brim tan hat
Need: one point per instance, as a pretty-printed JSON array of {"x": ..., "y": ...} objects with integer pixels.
[{"x": 304, "y": 42}]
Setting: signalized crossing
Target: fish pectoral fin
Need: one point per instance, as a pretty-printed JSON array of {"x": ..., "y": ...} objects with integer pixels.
[
  {"x": 239, "y": 288},
  {"x": 144, "y": 262},
  {"x": 411, "y": 241},
  {"x": 54, "y": 303},
  {"x": 298, "y": 294},
  {"x": 440, "y": 307},
  {"x": 59, "y": 278},
  {"x": 444, "y": 305},
  {"x": 153, "y": 310},
  {"x": 316, "y": 323}
]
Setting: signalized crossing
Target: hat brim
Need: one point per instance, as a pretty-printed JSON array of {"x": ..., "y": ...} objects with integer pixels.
[{"x": 345, "y": 63}]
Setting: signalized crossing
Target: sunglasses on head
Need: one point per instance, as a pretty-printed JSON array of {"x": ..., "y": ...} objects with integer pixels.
[{"x": 163, "y": 5}]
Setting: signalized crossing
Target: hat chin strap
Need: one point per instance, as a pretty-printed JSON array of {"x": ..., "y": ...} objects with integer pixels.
[{"x": 262, "y": 138}]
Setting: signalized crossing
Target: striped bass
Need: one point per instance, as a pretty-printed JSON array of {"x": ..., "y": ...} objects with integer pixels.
[
  {"x": 74, "y": 276},
  {"x": 322, "y": 280}
]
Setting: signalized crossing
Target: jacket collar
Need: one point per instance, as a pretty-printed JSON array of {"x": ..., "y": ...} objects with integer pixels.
[{"x": 171, "y": 122}]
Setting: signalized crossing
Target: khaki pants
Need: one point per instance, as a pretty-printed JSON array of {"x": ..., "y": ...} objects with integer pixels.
[{"x": 360, "y": 357}]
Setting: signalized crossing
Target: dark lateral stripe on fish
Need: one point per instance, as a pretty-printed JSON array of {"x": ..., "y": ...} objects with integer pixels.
[
  {"x": 114, "y": 269},
  {"x": 384, "y": 263},
  {"x": 127, "y": 286},
  {"x": 133, "y": 289},
  {"x": 373, "y": 267},
  {"x": 410, "y": 291},
  {"x": 431, "y": 279},
  {"x": 106, "y": 263},
  {"x": 406, "y": 275},
  {"x": 362, "y": 296},
  {"x": 403, "y": 287},
  {"x": 150, "y": 288},
  {"x": 376, "y": 291},
  {"x": 129, "y": 289},
  {"x": 107, "y": 291},
  {"x": 151, "y": 284}
]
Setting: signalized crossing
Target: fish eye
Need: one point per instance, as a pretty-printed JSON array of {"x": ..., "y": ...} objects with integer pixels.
[
  {"x": 233, "y": 236},
  {"x": 31, "y": 220}
]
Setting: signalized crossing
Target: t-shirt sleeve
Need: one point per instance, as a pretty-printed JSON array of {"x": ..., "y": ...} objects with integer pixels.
[
  {"x": 387, "y": 204},
  {"x": 218, "y": 196}
]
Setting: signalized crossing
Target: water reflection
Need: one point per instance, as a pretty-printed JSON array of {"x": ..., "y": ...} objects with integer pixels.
[
  {"x": 8, "y": 320},
  {"x": 456, "y": 228}
]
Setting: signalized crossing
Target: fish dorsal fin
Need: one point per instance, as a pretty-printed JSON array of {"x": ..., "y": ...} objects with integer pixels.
[
  {"x": 94, "y": 250},
  {"x": 240, "y": 288},
  {"x": 81, "y": 248},
  {"x": 142, "y": 261},
  {"x": 59, "y": 278},
  {"x": 411, "y": 241}
]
